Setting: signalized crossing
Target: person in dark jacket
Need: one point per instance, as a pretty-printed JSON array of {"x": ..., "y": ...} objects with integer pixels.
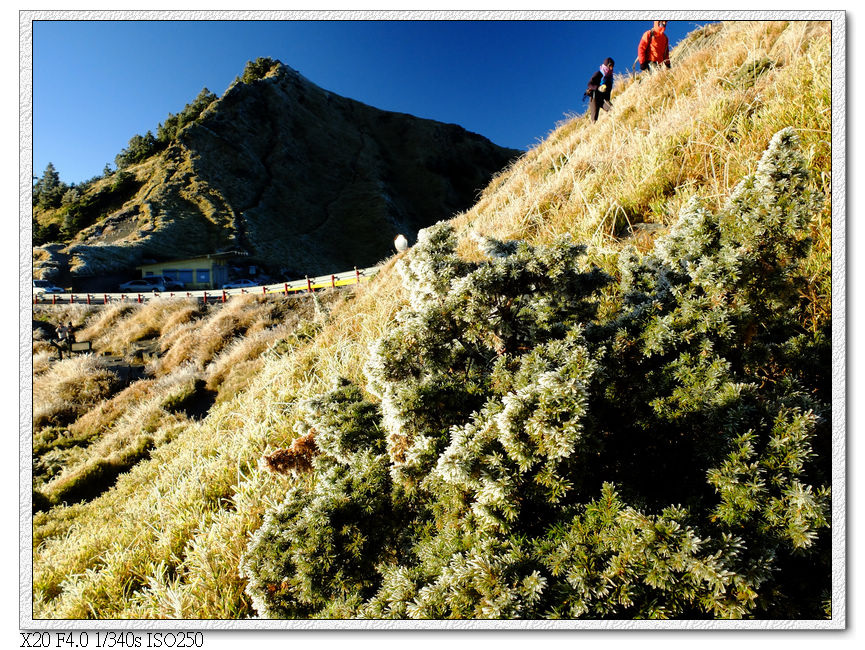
[
  {"x": 654, "y": 47},
  {"x": 599, "y": 89},
  {"x": 61, "y": 338}
]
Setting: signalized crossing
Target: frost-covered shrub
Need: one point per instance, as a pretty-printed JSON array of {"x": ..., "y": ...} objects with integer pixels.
[
  {"x": 528, "y": 459},
  {"x": 463, "y": 337},
  {"x": 322, "y": 545}
]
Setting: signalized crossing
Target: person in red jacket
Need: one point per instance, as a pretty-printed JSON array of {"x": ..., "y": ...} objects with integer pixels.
[{"x": 654, "y": 47}]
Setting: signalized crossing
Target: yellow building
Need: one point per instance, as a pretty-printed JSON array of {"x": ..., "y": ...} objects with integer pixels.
[{"x": 204, "y": 272}]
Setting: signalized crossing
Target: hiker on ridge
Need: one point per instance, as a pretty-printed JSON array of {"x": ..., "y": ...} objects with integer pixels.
[
  {"x": 654, "y": 48},
  {"x": 599, "y": 89}
]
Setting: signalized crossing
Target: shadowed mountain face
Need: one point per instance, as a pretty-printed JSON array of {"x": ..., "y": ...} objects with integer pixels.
[{"x": 303, "y": 180}]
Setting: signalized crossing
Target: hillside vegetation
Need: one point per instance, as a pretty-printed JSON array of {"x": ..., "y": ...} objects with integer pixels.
[
  {"x": 603, "y": 391},
  {"x": 162, "y": 365}
]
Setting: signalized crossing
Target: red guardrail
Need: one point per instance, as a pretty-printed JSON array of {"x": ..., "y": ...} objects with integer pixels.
[{"x": 307, "y": 285}]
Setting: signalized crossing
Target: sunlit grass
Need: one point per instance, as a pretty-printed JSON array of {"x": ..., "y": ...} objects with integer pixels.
[{"x": 165, "y": 540}]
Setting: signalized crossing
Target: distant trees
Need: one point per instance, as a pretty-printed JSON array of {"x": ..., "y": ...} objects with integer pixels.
[
  {"x": 141, "y": 147},
  {"x": 77, "y": 206},
  {"x": 48, "y": 191},
  {"x": 87, "y": 209},
  {"x": 257, "y": 69},
  {"x": 71, "y": 195},
  {"x": 43, "y": 234},
  {"x": 174, "y": 124}
]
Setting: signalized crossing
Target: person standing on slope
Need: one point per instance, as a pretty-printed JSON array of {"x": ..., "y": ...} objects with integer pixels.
[
  {"x": 654, "y": 48},
  {"x": 61, "y": 340},
  {"x": 599, "y": 89}
]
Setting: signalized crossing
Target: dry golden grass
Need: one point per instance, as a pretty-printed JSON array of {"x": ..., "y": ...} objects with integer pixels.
[
  {"x": 190, "y": 336},
  {"x": 684, "y": 132},
  {"x": 182, "y": 534},
  {"x": 187, "y": 313},
  {"x": 42, "y": 357},
  {"x": 132, "y": 323},
  {"x": 145, "y": 422},
  {"x": 102, "y": 416},
  {"x": 106, "y": 434},
  {"x": 166, "y": 540},
  {"x": 105, "y": 320},
  {"x": 76, "y": 313},
  {"x": 68, "y": 387}
]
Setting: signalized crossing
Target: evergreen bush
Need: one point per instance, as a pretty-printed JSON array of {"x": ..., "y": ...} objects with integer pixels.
[
  {"x": 140, "y": 147},
  {"x": 257, "y": 69},
  {"x": 174, "y": 124},
  {"x": 528, "y": 457},
  {"x": 48, "y": 190}
]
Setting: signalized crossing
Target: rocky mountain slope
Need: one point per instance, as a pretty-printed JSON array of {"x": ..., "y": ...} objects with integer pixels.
[{"x": 301, "y": 179}]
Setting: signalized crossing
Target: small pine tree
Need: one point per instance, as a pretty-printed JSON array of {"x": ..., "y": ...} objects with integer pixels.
[
  {"x": 140, "y": 148},
  {"x": 257, "y": 69},
  {"x": 174, "y": 124},
  {"x": 49, "y": 189},
  {"x": 70, "y": 196}
]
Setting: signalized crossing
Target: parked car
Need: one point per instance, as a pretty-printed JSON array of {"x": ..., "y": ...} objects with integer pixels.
[
  {"x": 153, "y": 283},
  {"x": 170, "y": 283},
  {"x": 44, "y": 286},
  {"x": 240, "y": 284}
]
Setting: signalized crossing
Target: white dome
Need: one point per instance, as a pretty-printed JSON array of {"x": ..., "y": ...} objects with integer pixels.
[{"x": 400, "y": 243}]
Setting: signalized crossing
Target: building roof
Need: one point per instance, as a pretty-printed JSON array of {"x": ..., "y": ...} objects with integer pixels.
[{"x": 216, "y": 255}]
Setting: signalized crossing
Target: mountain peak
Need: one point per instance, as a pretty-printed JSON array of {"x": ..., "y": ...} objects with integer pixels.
[{"x": 303, "y": 180}]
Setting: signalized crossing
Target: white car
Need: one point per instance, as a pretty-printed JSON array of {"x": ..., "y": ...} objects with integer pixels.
[
  {"x": 239, "y": 284},
  {"x": 144, "y": 284},
  {"x": 44, "y": 286}
]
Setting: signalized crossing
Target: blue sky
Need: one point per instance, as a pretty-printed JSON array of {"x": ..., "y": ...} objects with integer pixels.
[{"x": 98, "y": 83}]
